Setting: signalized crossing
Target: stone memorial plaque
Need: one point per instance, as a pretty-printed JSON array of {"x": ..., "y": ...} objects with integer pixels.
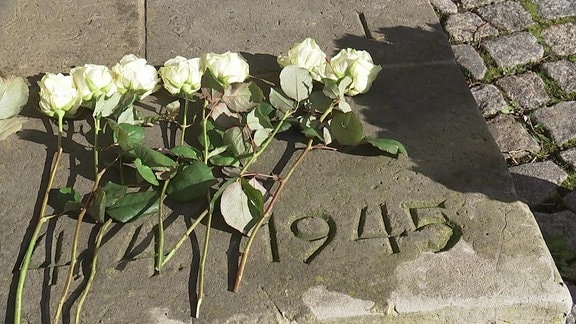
[{"x": 356, "y": 237}]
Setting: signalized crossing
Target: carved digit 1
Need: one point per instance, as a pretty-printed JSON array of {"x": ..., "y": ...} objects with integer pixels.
[
  {"x": 316, "y": 229},
  {"x": 376, "y": 221},
  {"x": 274, "y": 255}
]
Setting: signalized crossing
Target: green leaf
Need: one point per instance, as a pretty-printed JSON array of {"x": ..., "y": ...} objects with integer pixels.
[
  {"x": 154, "y": 159},
  {"x": 191, "y": 182},
  {"x": 217, "y": 151},
  {"x": 134, "y": 205},
  {"x": 261, "y": 135},
  {"x": 146, "y": 172},
  {"x": 256, "y": 91},
  {"x": 225, "y": 159},
  {"x": 252, "y": 189},
  {"x": 311, "y": 132},
  {"x": 236, "y": 141},
  {"x": 346, "y": 128},
  {"x": 387, "y": 145},
  {"x": 279, "y": 100},
  {"x": 126, "y": 135},
  {"x": 319, "y": 101},
  {"x": 331, "y": 89},
  {"x": 106, "y": 107},
  {"x": 237, "y": 97},
  {"x": 69, "y": 199},
  {"x": 186, "y": 152},
  {"x": 113, "y": 192},
  {"x": 212, "y": 89},
  {"x": 296, "y": 82},
  {"x": 10, "y": 126},
  {"x": 97, "y": 206},
  {"x": 13, "y": 96}
]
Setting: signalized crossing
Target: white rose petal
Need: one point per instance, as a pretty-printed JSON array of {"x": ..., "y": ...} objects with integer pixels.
[
  {"x": 306, "y": 55},
  {"x": 226, "y": 68},
  {"x": 58, "y": 95},
  {"x": 181, "y": 76},
  {"x": 135, "y": 74},
  {"x": 358, "y": 65},
  {"x": 93, "y": 81}
]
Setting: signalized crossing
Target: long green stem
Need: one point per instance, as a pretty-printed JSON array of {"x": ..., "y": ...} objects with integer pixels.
[
  {"x": 184, "y": 121},
  {"x": 160, "y": 252},
  {"x": 74, "y": 247},
  {"x": 41, "y": 220},
  {"x": 190, "y": 229},
  {"x": 266, "y": 215},
  {"x": 101, "y": 233},
  {"x": 96, "y": 133},
  {"x": 267, "y": 142}
]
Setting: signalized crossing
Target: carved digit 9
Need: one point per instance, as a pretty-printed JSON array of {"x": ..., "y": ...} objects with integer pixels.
[{"x": 317, "y": 229}]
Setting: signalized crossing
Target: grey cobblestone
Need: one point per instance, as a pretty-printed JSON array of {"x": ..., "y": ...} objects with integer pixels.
[
  {"x": 512, "y": 138},
  {"x": 564, "y": 73},
  {"x": 444, "y": 6},
  {"x": 467, "y": 27},
  {"x": 526, "y": 89},
  {"x": 469, "y": 4},
  {"x": 508, "y": 15},
  {"x": 551, "y": 9},
  {"x": 559, "y": 120},
  {"x": 489, "y": 99},
  {"x": 514, "y": 49},
  {"x": 537, "y": 182},
  {"x": 558, "y": 224},
  {"x": 469, "y": 59},
  {"x": 561, "y": 38},
  {"x": 570, "y": 157}
]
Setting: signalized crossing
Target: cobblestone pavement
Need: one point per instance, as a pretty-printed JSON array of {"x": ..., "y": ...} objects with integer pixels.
[{"x": 519, "y": 58}]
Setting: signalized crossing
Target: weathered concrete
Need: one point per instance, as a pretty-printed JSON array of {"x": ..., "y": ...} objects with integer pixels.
[{"x": 437, "y": 236}]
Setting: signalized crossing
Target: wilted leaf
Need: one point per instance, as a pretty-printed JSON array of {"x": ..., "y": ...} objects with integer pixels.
[
  {"x": 13, "y": 96},
  {"x": 236, "y": 141},
  {"x": 223, "y": 116},
  {"x": 387, "y": 145},
  {"x": 191, "y": 182},
  {"x": 134, "y": 205},
  {"x": 10, "y": 126},
  {"x": 105, "y": 107},
  {"x": 279, "y": 100},
  {"x": 296, "y": 82},
  {"x": 235, "y": 209},
  {"x": 346, "y": 128},
  {"x": 237, "y": 97},
  {"x": 261, "y": 135},
  {"x": 97, "y": 206}
]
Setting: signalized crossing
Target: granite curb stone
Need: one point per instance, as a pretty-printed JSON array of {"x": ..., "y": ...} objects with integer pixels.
[
  {"x": 526, "y": 89},
  {"x": 537, "y": 182},
  {"x": 563, "y": 73},
  {"x": 561, "y": 38},
  {"x": 467, "y": 27},
  {"x": 489, "y": 99},
  {"x": 469, "y": 59},
  {"x": 559, "y": 120},
  {"x": 512, "y": 138},
  {"x": 508, "y": 15},
  {"x": 514, "y": 49}
]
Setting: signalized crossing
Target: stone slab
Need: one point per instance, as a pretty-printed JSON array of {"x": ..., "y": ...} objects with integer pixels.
[
  {"x": 52, "y": 36},
  {"x": 391, "y": 36},
  {"x": 379, "y": 263}
]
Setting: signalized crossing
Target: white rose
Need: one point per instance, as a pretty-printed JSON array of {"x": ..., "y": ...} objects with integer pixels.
[
  {"x": 181, "y": 76},
  {"x": 93, "y": 81},
  {"x": 58, "y": 95},
  {"x": 306, "y": 55},
  {"x": 358, "y": 65},
  {"x": 135, "y": 74},
  {"x": 226, "y": 68},
  {"x": 13, "y": 96}
]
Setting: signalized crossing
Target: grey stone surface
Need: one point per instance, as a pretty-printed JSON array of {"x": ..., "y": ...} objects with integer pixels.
[
  {"x": 537, "y": 182},
  {"x": 383, "y": 269},
  {"x": 559, "y": 120},
  {"x": 561, "y": 38},
  {"x": 512, "y": 138},
  {"x": 172, "y": 30},
  {"x": 526, "y": 89},
  {"x": 444, "y": 6},
  {"x": 564, "y": 73},
  {"x": 514, "y": 49},
  {"x": 489, "y": 99},
  {"x": 39, "y": 36},
  {"x": 562, "y": 224},
  {"x": 469, "y": 59},
  {"x": 469, "y": 4},
  {"x": 570, "y": 201},
  {"x": 569, "y": 156},
  {"x": 551, "y": 9},
  {"x": 508, "y": 15},
  {"x": 467, "y": 27}
]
